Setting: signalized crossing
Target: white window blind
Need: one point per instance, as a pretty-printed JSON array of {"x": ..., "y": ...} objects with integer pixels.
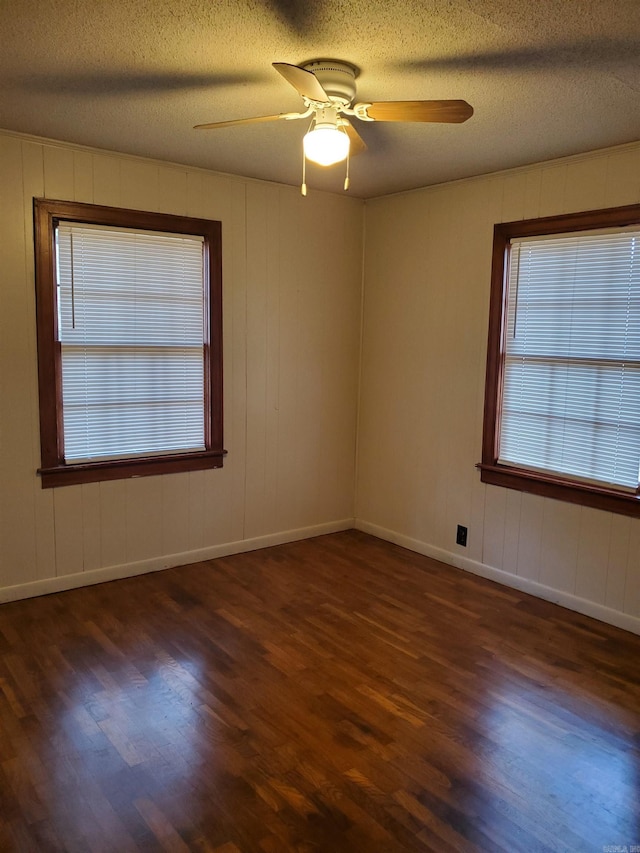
[
  {"x": 571, "y": 392},
  {"x": 131, "y": 325}
]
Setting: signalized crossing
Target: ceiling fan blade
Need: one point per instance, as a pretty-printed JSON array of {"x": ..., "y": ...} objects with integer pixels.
[
  {"x": 357, "y": 143},
  {"x": 440, "y": 111},
  {"x": 215, "y": 124},
  {"x": 304, "y": 82}
]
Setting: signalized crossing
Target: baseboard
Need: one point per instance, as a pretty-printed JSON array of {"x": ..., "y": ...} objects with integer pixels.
[
  {"x": 156, "y": 564},
  {"x": 565, "y": 599}
]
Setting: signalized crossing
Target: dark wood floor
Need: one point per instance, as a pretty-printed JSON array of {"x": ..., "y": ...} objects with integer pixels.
[{"x": 336, "y": 694}]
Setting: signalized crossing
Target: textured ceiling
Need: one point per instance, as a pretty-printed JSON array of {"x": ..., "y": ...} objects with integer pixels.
[{"x": 546, "y": 78}]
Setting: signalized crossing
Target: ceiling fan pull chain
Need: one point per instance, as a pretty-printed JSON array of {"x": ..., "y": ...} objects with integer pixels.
[
  {"x": 303, "y": 188},
  {"x": 346, "y": 177}
]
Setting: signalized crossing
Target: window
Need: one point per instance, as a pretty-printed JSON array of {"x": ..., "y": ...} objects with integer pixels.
[
  {"x": 129, "y": 342},
  {"x": 562, "y": 404}
]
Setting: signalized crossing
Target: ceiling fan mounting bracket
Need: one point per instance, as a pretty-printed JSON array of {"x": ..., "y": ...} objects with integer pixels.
[
  {"x": 360, "y": 111},
  {"x": 337, "y": 78}
]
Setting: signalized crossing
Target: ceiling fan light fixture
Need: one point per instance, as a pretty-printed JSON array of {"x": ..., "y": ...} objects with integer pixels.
[{"x": 326, "y": 144}]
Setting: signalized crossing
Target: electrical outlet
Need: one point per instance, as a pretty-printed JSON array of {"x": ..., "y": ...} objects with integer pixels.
[{"x": 461, "y": 536}]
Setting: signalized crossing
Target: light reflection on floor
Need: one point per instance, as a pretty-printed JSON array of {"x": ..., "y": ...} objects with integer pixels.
[{"x": 577, "y": 749}]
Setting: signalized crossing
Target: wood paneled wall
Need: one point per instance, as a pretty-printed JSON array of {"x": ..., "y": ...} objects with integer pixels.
[
  {"x": 292, "y": 320},
  {"x": 427, "y": 271},
  {"x": 292, "y": 304}
]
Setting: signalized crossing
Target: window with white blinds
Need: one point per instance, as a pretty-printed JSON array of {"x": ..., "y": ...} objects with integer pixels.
[
  {"x": 129, "y": 322},
  {"x": 571, "y": 348},
  {"x": 131, "y": 319}
]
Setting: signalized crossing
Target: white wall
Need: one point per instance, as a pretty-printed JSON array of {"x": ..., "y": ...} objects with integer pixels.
[
  {"x": 291, "y": 350},
  {"x": 427, "y": 269}
]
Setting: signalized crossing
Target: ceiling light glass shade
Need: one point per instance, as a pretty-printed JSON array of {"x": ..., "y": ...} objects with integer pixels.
[{"x": 326, "y": 145}]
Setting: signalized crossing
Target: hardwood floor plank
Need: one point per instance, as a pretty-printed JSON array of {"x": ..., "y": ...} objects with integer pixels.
[{"x": 338, "y": 694}]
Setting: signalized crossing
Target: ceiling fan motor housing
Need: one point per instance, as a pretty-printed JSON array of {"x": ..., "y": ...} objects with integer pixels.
[{"x": 337, "y": 78}]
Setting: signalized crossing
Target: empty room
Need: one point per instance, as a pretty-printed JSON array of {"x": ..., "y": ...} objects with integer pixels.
[{"x": 319, "y": 426}]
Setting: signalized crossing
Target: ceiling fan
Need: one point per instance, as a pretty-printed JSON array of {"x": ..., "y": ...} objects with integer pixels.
[{"x": 328, "y": 89}]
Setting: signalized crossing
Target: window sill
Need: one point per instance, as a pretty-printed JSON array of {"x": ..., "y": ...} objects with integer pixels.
[
  {"x": 93, "y": 472},
  {"x": 548, "y": 486}
]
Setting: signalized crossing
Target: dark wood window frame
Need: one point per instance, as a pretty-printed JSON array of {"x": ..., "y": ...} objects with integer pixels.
[
  {"x": 512, "y": 477},
  {"x": 54, "y": 471}
]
